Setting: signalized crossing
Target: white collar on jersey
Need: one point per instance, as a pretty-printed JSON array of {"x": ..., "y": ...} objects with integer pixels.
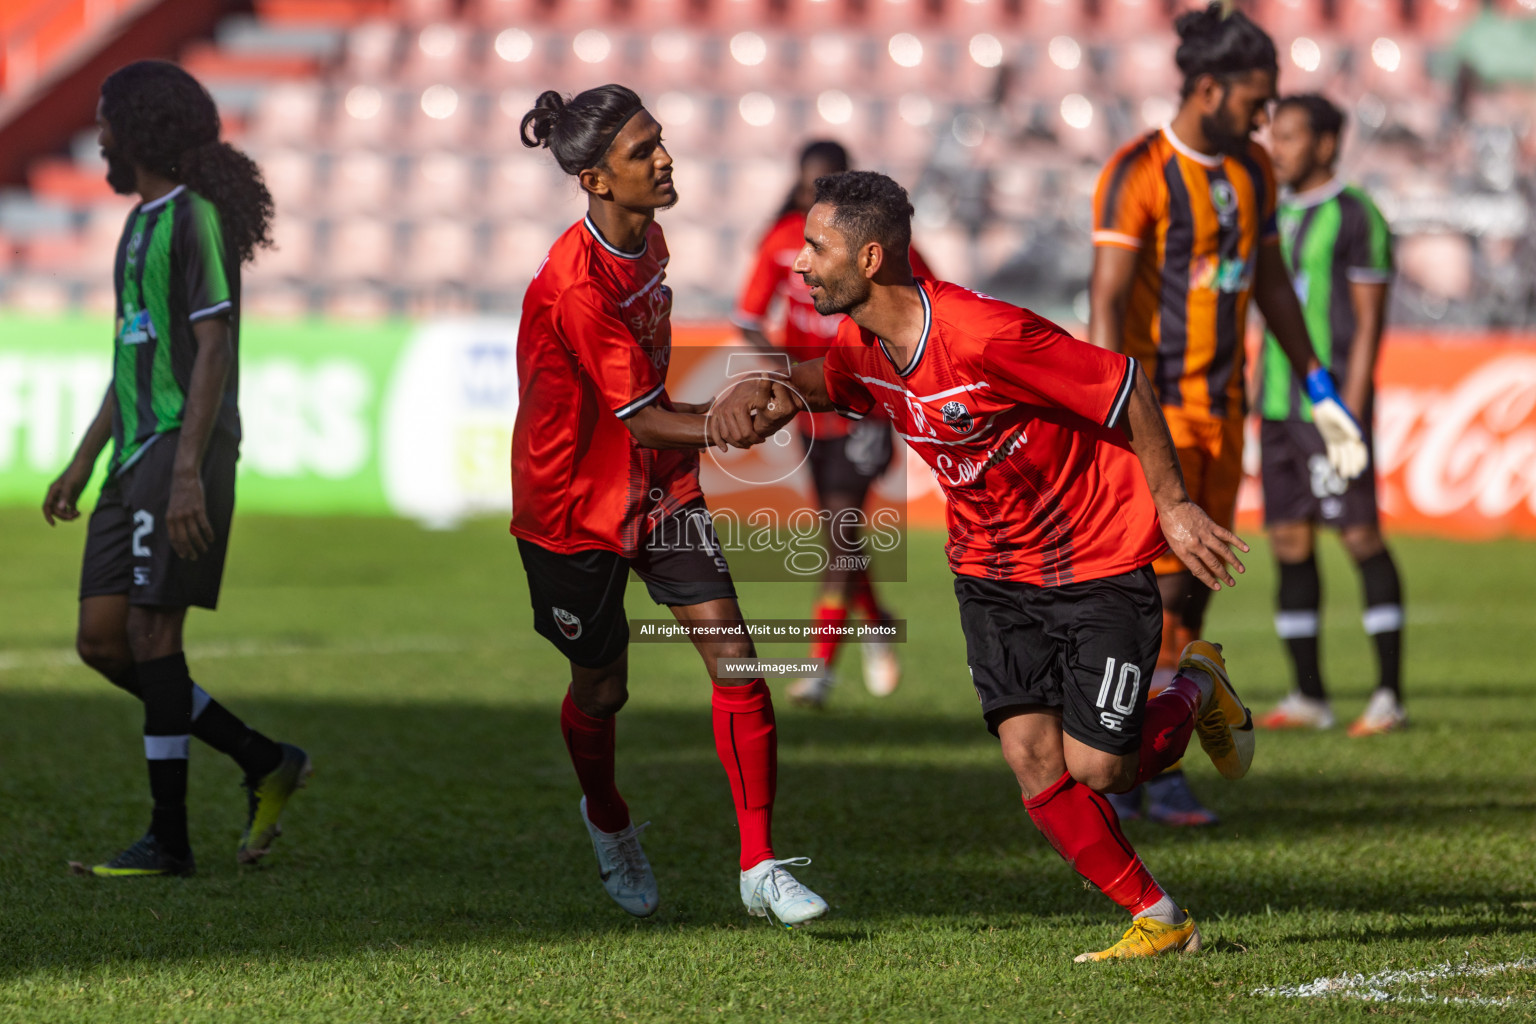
[
  {"x": 922, "y": 342},
  {"x": 1316, "y": 196},
  {"x": 1203, "y": 159},
  {"x": 172, "y": 194},
  {"x": 620, "y": 253}
]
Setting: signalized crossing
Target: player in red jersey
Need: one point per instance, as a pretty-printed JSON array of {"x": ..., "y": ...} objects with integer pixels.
[
  {"x": 1059, "y": 470},
  {"x": 845, "y": 458},
  {"x": 605, "y": 478}
]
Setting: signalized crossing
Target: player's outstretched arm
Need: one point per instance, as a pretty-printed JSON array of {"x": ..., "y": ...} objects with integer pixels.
[
  {"x": 1204, "y": 547},
  {"x": 1109, "y": 293},
  {"x": 724, "y": 422},
  {"x": 1277, "y": 301},
  {"x": 65, "y": 491}
]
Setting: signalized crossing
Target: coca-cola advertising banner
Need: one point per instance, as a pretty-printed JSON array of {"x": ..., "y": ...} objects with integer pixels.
[{"x": 1456, "y": 435}]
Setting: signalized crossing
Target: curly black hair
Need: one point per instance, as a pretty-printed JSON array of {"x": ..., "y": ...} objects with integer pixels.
[
  {"x": 868, "y": 207},
  {"x": 163, "y": 120}
]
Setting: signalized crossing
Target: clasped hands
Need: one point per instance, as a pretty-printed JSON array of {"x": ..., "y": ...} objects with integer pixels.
[{"x": 749, "y": 412}]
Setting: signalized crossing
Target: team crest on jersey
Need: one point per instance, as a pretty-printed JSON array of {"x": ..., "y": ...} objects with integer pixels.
[
  {"x": 958, "y": 417},
  {"x": 569, "y": 624},
  {"x": 1224, "y": 198}
]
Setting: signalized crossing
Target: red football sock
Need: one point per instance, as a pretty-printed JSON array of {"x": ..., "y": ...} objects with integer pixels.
[
  {"x": 1085, "y": 830},
  {"x": 864, "y": 601},
  {"x": 1166, "y": 727},
  {"x": 825, "y": 645},
  {"x": 748, "y": 748},
  {"x": 591, "y": 742}
]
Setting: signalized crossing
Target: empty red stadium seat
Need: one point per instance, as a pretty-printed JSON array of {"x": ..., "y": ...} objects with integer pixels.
[
  {"x": 288, "y": 112},
  {"x": 440, "y": 183},
  {"x": 1365, "y": 20},
  {"x": 290, "y": 177},
  {"x": 440, "y": 251},
  {"x": 1051, "y": 16},
  {"x": 361, "y": 248},
  {"x": 360, "y": 180},
  {"x": 292, "y": 256}
]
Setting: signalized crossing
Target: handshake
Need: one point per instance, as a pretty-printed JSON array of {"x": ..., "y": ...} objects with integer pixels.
[{"x": 748, "y": 412}]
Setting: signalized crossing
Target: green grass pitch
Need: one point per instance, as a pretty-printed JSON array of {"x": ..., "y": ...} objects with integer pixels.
[{"x": 436, "y": 870}]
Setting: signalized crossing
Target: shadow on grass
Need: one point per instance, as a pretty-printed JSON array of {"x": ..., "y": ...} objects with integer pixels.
[{"x": 449, "y": 824}]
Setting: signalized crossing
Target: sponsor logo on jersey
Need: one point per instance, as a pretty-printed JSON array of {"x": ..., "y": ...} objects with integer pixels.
[
  {"x": 1212, "y": 273},
  {"x": 138, "y": 328},
  {"x": 958, "y": 417},
  {"x": 569, "y": 624}
]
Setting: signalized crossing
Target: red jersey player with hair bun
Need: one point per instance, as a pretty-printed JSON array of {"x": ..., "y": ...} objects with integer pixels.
[
  {"x": 605, "y": 479},
  {"x": 1059, "y": 473},
  {"x": 846, "y": 457}
]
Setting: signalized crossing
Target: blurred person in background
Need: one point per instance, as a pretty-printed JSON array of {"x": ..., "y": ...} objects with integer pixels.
[
  {"x": 605, "y": 479},
  {"x": 1184, "y": 235},
  {"x": 846, "y": 457},
  {"x": 156, "y": 542},
  {"x": 1338, "y": 250}
]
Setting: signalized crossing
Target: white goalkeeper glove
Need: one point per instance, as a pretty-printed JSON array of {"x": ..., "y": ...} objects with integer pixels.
[{"x": 1347, "y": 453}]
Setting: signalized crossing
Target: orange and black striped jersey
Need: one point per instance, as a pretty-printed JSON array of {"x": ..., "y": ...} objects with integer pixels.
[{"x": 1197, "y": 222}]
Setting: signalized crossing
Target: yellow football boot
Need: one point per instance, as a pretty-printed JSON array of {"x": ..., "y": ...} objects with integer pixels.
[
  {"x": 266, "y": 799},
  {"x": 1224, "y": 725},
  {"x": 1147, "y": 937}
]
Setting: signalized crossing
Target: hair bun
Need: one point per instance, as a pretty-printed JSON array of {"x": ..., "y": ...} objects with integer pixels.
[
  {"x": 1195, "y": 24},
  {"x": 539, "y": 123}
]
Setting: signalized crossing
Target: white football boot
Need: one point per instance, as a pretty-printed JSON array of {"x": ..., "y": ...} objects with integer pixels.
[
  {"x": 766, "y": 888},
  {"x": 882, "y": 672},
  {"x": 1298, "y": 711},
  {"x": 1383, "y": 714},
  {"x": 625, "y": 872},
  {"x": 812, "y": 691}
]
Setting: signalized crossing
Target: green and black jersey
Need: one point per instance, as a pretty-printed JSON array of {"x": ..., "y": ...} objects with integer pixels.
[
  {"x": 172, "y": 270},
  {"x": 1331, "y": 236}
]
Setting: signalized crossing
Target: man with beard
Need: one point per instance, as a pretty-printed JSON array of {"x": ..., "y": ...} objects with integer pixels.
[
  {"x": 156, "y": 542},
  {"x": 1184, "y": 234},
  {"x": 1060, "y": 485}
]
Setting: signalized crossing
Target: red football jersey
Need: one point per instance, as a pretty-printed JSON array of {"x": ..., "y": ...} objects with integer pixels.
[
  {"x": 592, "y": 350},
  {"x": 1016, "y": 419}
]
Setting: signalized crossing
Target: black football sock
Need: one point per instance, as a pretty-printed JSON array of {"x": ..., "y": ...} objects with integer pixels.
[
  {"x": 166, "y": 690},
  {"x": 1384, "y": 617},
  {"x": 126, "y": 679},
  {"x": 218, "y": 727},
  {"x": 1296, "y": 622},
  {"x": 222, "y": 730}
]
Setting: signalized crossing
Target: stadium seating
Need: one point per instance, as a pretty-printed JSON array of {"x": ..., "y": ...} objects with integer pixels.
[{"x": 387, "y": 130}]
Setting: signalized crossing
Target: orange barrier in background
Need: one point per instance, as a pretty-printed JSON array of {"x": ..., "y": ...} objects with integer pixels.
[{"x": 1455, "y": 437}]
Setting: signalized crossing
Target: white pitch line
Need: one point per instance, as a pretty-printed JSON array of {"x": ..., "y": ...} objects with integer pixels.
[
  {"x": 1375, "y": 988},
  {"x": 64, "y": 657}
]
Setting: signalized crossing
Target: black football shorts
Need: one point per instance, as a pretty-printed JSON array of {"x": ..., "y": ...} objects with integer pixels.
[
  {"x": 851, "y": 463},
  {"x": 578, "y": 599},
  {"x": 1301, "y": 487},
  {"x": 127, "y": 547},
  {"x": 1086, "y": 648}
]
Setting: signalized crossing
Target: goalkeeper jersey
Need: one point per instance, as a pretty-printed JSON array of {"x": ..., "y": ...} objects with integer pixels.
[{"x": 1331, "y": 236}]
